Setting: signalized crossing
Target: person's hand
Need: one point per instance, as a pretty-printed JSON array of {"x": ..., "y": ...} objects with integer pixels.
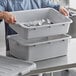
[
  {"x": 64, "y": 11},
  {"x": 9, "y": 18}
]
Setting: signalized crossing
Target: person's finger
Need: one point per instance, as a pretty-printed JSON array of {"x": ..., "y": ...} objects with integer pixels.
[
  {"x": 67, "y": 13},
  {"x": 63, "y": 12},
  {"x": 12, "y": 20},
  {"x": 7, "y": 21}
]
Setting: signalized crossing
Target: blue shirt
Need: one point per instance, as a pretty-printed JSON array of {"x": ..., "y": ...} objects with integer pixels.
[{"x": 17, "y": 5}]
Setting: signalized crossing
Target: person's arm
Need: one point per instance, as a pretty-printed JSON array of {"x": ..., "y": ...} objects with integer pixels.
[
  {"x": 8, "y": 17},
  {"x": 49, "y": 3},
  {"x": 4, "y": 14}
]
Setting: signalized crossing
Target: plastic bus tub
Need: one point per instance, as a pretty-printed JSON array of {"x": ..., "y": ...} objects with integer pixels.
[
  {"x": 59, "y": 24},
  {"x": 38, "y": 49},
  {"x": 14, "y": 67},
  {"x": 72, "y": 29}
]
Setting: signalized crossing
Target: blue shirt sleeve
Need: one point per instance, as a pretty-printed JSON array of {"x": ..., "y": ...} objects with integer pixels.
[
  {"x": 49, "y": 3},
  {"x": 3, "y": 5}
]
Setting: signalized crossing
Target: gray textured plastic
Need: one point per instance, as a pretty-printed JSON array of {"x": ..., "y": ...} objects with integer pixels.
[
  {"x": 72, "y": 29},
  {"x": 59, "y": 24},
  {"x": 14, "y": 67},
  {"x": 38, "y": 49}
]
